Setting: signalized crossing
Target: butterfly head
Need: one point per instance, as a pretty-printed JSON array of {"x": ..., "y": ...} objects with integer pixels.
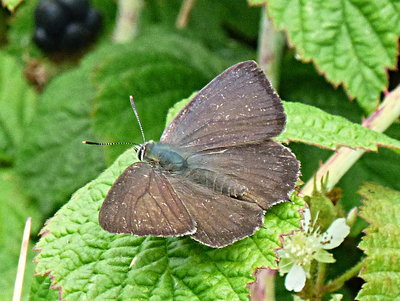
[{"x": 142, "y": 150}]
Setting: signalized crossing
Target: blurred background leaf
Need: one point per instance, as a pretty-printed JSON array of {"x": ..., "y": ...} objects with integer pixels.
[{"x": 17, "y": 102}]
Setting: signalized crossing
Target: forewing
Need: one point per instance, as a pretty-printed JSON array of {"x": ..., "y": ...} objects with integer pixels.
[
  {"x": 220, "y": 220},
  {"x": 142, "y": 202},
  {"x": 237, "y": 107},
  {"x": 268, "y": 170}
]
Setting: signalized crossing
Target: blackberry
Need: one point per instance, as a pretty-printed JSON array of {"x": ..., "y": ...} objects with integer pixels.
[
  {"x": 78, "y": 9},
  {"x": 50, "y": 16},
  {"x": 43, "y": 40},
  {"x": 65, "y": 25},
  {"x": 75, "y": 36}
]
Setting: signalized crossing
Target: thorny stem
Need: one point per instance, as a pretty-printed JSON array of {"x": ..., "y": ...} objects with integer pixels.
[
  {"x": 184, "y": 13},
  {"x": 270, "y": 45},
  {"x": 344, "y": 157},
  {"x": 127, "y": 20},
  {"x": 337, "y": 283}
]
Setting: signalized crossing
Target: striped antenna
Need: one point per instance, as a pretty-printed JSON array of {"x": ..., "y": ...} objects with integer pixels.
[
  {"x": 107, "y": 143},
  {"x": 137, "y": 116},
  {"x": 135, "y": 145}
]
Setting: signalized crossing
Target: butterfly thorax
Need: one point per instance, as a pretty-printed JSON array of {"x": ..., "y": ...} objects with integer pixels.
[
  {"x": 163, "y": 155},
  {"x": 169, "y": 158}
]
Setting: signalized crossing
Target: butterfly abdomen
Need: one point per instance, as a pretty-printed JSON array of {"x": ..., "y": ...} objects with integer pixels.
[{"x": 216, "y": 182}]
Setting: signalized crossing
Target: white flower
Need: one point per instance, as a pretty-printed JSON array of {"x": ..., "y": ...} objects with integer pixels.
[
  {"x": 295, "y": 279},
  {"x": 335, "y": 234},
  {"x": 301, "y": 248}
]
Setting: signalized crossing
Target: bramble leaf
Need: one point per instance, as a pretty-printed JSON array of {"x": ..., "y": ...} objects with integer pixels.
[
  {"x": 311, "y": 125},
  {"x": 85, "y": 261},
  {"x": 41, "y": 289},
  {"x": 381, "y": 243},
  {"x": 351, "y": 42}
]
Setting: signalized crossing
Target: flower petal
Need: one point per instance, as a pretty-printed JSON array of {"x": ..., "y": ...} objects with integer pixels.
[
  {"x": 335, "y": 234},
  {"x": 295, "y": 279}
]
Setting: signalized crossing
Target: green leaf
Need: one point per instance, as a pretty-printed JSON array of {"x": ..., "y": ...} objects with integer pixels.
[
  {"x": 158, "y": 69},
  {"x": 338, "y": 36},
  {"x": 17, "y": 102},
  {"x": 87, "y": 262},
  {"x": 11, "y": 4},
  {"x": 41, "y": 289},
  {"x": 381, "y": 243},
  {"x": 313, "y": 126},
  {"x": 15, "y": 208}
]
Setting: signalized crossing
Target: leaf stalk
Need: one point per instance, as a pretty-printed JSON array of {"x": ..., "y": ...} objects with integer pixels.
[{"x": 344, "y": 157}]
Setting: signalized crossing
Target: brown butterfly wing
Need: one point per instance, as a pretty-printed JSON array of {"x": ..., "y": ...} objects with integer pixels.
[
  {"x": 268, "y": 170},
  {"x": 143, "y": 202},
  {"x": 237, "y": 107},
  {"x": 220, "y": 220}
]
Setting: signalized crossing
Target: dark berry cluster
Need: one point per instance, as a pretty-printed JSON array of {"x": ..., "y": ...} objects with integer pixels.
[{"x": 65, "y": 25}]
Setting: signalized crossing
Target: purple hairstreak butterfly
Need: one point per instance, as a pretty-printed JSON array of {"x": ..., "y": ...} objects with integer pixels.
[{"x": 216, "y": 169}]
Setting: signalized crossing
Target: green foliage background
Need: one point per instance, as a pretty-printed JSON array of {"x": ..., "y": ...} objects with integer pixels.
[{"x": 42, "y": 160}]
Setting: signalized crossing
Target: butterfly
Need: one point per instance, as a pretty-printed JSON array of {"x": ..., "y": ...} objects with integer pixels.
[{"x": 216, "y": 169}]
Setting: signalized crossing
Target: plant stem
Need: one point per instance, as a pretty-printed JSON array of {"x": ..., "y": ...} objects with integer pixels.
[
  {"x": 127, "y": 20},
  {"x": 19, "y": 281},
  {"x": 319, "y": 284},
  {"x": 184, "y": 13},
  {"x": 344, "y": 157},
  {"x": 338, "y": 282},
  {"x": 270, "y": 47},
  {"x": 263, "y": 290}
]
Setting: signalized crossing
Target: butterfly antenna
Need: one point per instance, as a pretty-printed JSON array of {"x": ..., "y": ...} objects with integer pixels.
[
  {"x": 135, "y": 145},
  {"x": 137, "y": 116}
]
